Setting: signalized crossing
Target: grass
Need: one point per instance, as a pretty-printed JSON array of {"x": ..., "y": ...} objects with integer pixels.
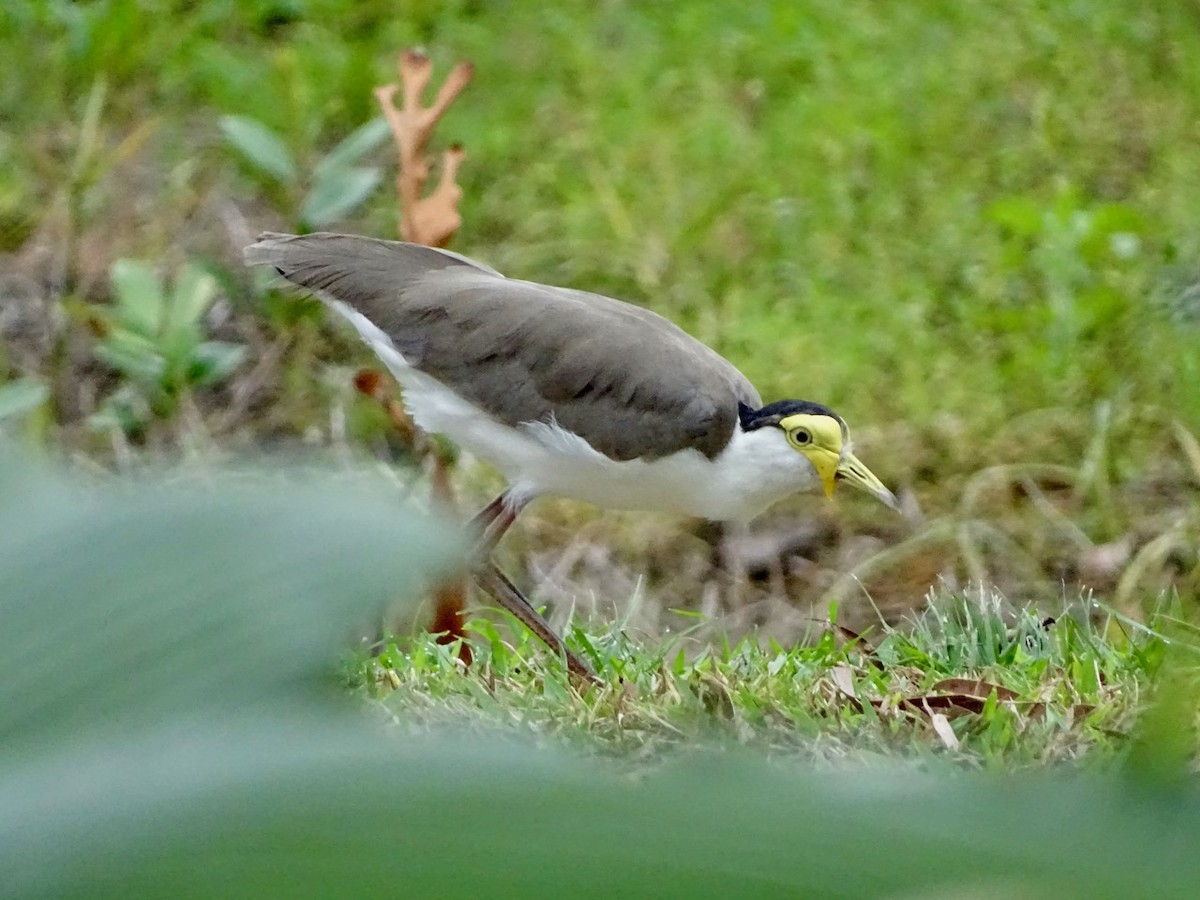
[
  {"x": 968, "y": 229},
  {"x": 970, "y": 681}
]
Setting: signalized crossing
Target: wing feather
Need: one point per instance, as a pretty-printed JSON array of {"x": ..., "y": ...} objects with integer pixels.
[{"x": 626, "y": 380}]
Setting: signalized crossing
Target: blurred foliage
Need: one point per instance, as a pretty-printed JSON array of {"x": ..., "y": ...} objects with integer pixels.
[
  {"x": 21, "y": 396},
  {"x": 1072, "y": 267},
  {"x": 205, "y": 758},
  {"x": 155, "y": 339},
  {"x": 337, "y": 185}
]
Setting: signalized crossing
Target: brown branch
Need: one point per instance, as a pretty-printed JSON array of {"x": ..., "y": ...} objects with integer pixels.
[
  {"x": 451, "y": 598},
  {"x": 431, "y": 220},
  {"x": 435, "y": 218}
]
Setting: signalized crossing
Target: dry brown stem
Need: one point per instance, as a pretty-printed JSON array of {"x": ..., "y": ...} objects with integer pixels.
[
  {"x": 450, "y": 598},
  {"x": 432, "y": 219}
]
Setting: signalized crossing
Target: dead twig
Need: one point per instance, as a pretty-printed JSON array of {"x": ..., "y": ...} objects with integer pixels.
[
  {"x": 431, "y": 220},
  {"x": 434, "y": 219}
]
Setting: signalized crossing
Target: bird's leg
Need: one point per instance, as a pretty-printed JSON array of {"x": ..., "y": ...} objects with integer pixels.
[
  {"x": 490, "y": 524},
  {"x": 496, "y": 583}
]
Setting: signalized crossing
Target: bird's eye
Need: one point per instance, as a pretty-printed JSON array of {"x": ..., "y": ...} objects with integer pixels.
[{"x": 801, "y": 436}]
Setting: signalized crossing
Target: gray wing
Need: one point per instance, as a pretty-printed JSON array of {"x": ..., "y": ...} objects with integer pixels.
[{"x": 625, "y": 379}]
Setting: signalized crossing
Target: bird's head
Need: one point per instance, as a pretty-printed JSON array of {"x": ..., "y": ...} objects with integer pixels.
[{"x": 820, "y": 435}]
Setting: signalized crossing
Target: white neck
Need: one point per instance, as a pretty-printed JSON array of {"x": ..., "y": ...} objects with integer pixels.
[{"x": 756, "y": 469}]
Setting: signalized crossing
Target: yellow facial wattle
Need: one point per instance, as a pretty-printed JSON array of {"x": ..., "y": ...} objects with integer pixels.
[
  {"x": 822, "y": 441},
  {"x": 819, "y": 438}
]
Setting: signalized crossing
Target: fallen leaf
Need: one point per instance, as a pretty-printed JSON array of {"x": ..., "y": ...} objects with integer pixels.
[
  {"x": 949, "y": 704},
  {"x": 842, "y": 677},
  {"x": 973, "y": 687},
  {"x": 859, "y": 642},
  {"x": 941, "y": 727}
]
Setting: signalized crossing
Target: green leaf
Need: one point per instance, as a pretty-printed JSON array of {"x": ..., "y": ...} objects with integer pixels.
[
  {"x": 21, "y": 396},
  {"x": 213, "y": 361},
  {"x": 261, "y": 146},
  {"x": 194, "y": 291},
  {"x": 1115, "y": 218},
  {"x": 360, "y": 142},
  {"x": 1164, "y": 744},
  {"x": 312, "y": 805},
  {"x": 132, "y": 355},
  {"x": 167, "y": 731},
  {"x": 335, "y": 192},
  {"x": 126, "y": 409},
  {"x": 139, "y": 296}
]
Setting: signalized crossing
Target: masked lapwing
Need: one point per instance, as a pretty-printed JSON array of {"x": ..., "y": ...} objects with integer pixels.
[{"x": 567, "y": 393}]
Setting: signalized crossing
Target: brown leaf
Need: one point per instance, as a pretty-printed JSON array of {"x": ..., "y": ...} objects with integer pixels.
[
  {"x": 433, "y": 220},
  {"x": 850, "y": 636},
  {"x": 949, "y": 704},
  {"x": 973, "y": 687},
  {"x": 957, "y": 697}
]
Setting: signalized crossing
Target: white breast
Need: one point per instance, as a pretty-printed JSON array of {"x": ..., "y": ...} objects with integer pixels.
[{"x": 753, "y": 471}]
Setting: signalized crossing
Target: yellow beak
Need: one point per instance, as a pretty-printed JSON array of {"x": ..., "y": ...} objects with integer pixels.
[{"x": 849, "y": 469}]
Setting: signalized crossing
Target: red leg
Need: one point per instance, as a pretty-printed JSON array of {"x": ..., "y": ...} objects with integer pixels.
[
  {"x": 490, "y": 525},
  {"x": 493, "y": 521},
  {"x": 504, "y": 592}
]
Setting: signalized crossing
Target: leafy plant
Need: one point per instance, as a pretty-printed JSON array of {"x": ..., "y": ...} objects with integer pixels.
[
  {"x": 337, "y": 183},
  {"x": 155, "y": 338}
]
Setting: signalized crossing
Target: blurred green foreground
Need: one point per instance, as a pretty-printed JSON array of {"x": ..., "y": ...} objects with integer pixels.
[{"x": 168, "y": 731}]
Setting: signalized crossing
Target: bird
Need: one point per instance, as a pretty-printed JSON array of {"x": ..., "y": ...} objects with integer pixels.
[{"x": 567, "y": 393}]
